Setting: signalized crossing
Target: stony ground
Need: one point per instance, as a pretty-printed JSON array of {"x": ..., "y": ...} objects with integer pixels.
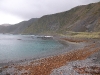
[
  {"x": 64, "y": 64},
  {"x": 79, "y": 67}
]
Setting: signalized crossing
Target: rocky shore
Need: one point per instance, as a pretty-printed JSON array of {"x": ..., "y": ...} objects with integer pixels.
[{"x": 73, "y": 62}]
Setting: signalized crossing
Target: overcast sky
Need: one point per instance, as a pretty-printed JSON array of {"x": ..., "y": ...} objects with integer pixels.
[{"x": 14, "y": 11}]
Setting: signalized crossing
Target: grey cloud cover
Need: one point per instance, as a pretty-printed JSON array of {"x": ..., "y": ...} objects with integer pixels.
[{"x": 36, "y": 8}]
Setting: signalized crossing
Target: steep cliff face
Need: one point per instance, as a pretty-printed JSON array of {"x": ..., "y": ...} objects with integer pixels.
[{"x": 80, "y": 19}]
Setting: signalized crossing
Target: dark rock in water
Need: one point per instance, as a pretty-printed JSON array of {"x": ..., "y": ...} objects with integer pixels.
[
  {"x": 19, "y": 39},
  {"x": 0, "y": 70},
  {"x": 7, "y": 74},
  {"x": 45, "y": 37},
  {"x": 32, "y": 37}
]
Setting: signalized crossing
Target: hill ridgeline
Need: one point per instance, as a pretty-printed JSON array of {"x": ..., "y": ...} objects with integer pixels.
[{"x": 84, "y": 18}]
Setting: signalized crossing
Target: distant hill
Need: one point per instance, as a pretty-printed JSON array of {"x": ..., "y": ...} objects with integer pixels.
[
  {"x": 85, "y": 18},
  {"x": 16, "y": 28}
]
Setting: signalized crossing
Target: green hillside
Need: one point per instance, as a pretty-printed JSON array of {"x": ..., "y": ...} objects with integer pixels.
[
  {"x": 16, "y": 28},
  {"x": 85, "y": 18}
]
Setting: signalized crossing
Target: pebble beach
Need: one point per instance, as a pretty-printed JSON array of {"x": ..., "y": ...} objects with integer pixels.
[{"x": 66, "y": 63}]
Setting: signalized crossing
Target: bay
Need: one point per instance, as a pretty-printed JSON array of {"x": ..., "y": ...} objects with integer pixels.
[{"x": 19, "y": 47}]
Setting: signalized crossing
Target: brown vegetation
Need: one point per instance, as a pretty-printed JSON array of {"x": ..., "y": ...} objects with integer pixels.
[{"x": 74, "y": 40}]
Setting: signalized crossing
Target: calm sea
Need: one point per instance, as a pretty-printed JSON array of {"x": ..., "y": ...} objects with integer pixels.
[{"x": 19, "y": 47}]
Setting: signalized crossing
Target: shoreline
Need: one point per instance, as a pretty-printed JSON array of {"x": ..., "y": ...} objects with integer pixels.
[
  {"x": 78, "y": 51},
  {"x": 70, "y": 46},
  {"x": 39, "y": 66}
]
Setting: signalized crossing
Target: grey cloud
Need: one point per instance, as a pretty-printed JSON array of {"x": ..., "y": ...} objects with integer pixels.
[{"x": 37, "y": 8}]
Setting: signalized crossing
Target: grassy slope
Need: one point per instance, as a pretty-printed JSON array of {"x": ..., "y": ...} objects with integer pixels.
[
  {"x": 17, "y": 28},
  {"x": 93, "y": 35},
  {"x": 80, "y": 19}
]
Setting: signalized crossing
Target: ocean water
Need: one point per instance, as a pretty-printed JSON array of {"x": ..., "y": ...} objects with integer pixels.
[{"x": 19, "y": 47}]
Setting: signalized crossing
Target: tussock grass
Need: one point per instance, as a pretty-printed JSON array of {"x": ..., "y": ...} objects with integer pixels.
[{"x": 92, "y": 35}]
